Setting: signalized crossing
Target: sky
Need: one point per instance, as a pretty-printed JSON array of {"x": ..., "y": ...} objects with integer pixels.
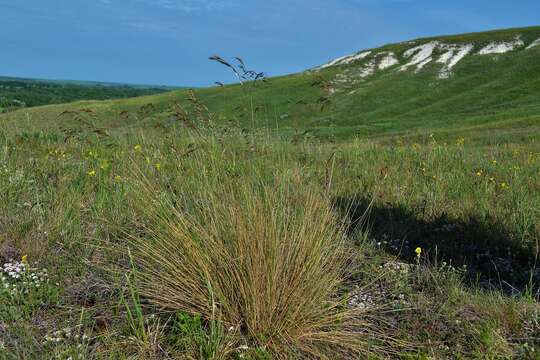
[{"x": 168, "y": 42}]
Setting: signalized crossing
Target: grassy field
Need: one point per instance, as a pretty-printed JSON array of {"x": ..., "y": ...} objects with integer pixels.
[{"x": 209, "y": 225}]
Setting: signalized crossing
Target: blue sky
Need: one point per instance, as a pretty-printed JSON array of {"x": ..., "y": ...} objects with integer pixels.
[{"x": 169, "y": 41}]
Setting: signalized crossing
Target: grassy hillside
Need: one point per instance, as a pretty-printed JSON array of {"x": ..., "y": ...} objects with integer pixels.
[
  {"x": 287, "y": 219},
  {"x": 487, "y": 94}
]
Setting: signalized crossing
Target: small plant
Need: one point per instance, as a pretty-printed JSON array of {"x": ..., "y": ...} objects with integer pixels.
[
  {"x": 189, "y": 334},
  {"x": 23, "y": 289},
  {"x": 146, "y": 332}
]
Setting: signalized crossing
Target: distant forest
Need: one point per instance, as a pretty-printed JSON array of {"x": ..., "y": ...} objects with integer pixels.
[{"x": 16, "y": 94}]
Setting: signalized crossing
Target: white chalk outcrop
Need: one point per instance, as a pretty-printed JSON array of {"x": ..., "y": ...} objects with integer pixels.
[
  {"x": 344, "y": 60},
  {"x": 501, "y": 47},
  {"x": 421, "y": 56},
  {"x": 453, "y": 55},
  {"x": 380, "y": 61},
  {"x": 418, "y": 55},
  {"x": 388, "y": 61},
  {"x": 356, "y": 57},
  {"x": 534, "y": 44}
]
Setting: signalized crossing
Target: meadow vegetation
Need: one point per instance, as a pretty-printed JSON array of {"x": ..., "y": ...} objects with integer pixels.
[
  {"x": 184, "y": 243},
  {"x": 170, "y": 230}
]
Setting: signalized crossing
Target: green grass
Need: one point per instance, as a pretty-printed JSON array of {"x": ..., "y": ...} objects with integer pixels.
[
  {"x": 66, "y": 204},
  {"x": 125, "y": 207}
]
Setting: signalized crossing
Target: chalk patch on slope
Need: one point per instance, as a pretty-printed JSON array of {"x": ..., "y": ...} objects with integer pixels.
[
  {"x": 423, "y": 63},
  {"x": 356, "y": 57},
  {"x": 345, "y": 60},
  {"x": 421, "y": 56},
  {"x": 453, "y": 55},
  {"x": 534, "y": 43},
  {"x": 446, "y": 57},
  {"x": 369, "y": 69},
  {"x": 334, "y": 62},
  {"x": 501, "y": 47},
  {"x": 388, "y": 61}
]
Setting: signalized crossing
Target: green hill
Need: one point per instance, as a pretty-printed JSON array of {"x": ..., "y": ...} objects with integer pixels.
[{"x": 473, "y": 84}]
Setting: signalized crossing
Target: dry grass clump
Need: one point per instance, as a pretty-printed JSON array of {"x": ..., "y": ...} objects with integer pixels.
[{"x": 262, "y": 255}]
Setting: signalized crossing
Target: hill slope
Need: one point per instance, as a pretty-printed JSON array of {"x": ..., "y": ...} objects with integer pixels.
[{"x": 472, "y": 83}]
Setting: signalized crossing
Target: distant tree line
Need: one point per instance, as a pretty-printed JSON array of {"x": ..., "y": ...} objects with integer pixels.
[{"x": 15, "y": 94}]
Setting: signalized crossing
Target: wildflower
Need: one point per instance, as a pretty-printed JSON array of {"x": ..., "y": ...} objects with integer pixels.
[
  {"x": 418, "y": 251},
  {"x": 460, "y": 141},
  {"x": 504, "y": 185},
  {"x": 494, "y": 162},
  {"x": 24, "y": 259},
  {"x": 479, "y": 172},
  {"x": 92, "y": 173},
  {"x": 158, "y": 166},
  {"x": 137, "y": 147},
  {"x": 117, "y": 178}
]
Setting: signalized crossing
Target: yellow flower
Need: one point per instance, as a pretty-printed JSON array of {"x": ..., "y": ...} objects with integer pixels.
[
  {"x": 504, "y": 185},
  {"x": 24, "y": 259},
  {"x": 92, "y": 173},
  {"x": 460, "y": 141},
  {"x": 117, "y": 178},
  {"x": 158, "y": 166},
  {"x": 137, "y": 147},
  {"x": 494, "y": 162},
  {"x": 418, "y": 251}
]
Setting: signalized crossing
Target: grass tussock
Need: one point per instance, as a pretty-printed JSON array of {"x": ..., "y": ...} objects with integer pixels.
[{"x": 265, "y": 258}]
